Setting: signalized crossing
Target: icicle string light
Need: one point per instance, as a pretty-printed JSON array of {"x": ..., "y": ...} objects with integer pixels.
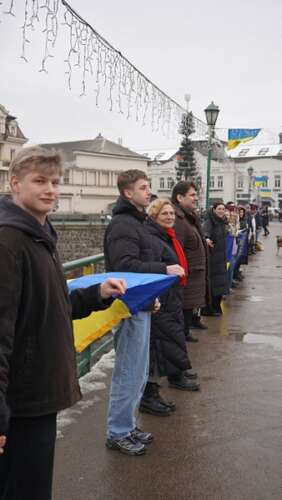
[{"x": 127, "y": 89}]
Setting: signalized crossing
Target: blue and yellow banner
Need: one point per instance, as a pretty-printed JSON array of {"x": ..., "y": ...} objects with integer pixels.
[
  {"x": 237, "y": 136},
  {"x": 141, "y": 291},
  {"x": 261, "y": 180}
]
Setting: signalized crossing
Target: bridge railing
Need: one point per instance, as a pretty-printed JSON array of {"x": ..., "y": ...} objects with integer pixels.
[{"x": 86, "y": 358}]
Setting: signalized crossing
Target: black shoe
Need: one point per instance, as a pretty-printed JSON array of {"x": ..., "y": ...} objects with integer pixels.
[
  {"x": 154, "y": 407},
  {"x": 199, "y": 326},
  {"x": 143, "y": 437},
  {"x": 190, "y": 338},
  {"x": 211, "y": 313},
  {"x": 127, "y": 445},
  {"x": 184, "y": 384},
  {"x": 170, "y": 404},
  {"x": 190, "y": 374}
]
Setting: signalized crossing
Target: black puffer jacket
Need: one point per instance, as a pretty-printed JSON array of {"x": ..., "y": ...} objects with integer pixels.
[
  {"x": 167, "y": 344},
  {"x": 214, "y": 228},
  {"x": 127, "y": 242},
  {"x": 37, "y": 357}
]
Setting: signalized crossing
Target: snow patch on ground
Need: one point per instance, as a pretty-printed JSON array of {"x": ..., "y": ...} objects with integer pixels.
[{"x": 90, "y": 384}]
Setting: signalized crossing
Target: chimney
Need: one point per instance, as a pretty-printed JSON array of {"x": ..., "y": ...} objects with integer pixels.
[
  {"x": 120, "y": 141},
  {"x": 280, "y": 138}
]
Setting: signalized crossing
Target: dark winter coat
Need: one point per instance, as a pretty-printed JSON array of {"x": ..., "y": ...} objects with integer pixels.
[
  {"x": 214, "y": 228},
  {"x": 168, "y": 351},
  {"x": 189, "y": 233},
  {"x": 127, "y": 242},
  {"x": 37, "y": 357}
]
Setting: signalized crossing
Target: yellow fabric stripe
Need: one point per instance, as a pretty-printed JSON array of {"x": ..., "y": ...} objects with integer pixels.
[
  {"x": 235, "y": 142},
  {"x": 93, "y": 327}
]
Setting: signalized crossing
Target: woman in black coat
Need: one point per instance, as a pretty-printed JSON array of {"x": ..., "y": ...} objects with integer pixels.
[
  {"x": 215, "y": 231},
  {"x": 168, "y": 351}
]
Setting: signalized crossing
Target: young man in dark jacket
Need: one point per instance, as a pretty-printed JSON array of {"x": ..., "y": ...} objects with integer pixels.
[
  {"x": 37, "y": 357},
  {"x": 128, "y": 248}
]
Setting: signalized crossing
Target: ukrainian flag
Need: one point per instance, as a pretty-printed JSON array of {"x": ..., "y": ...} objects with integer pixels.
[
  {"x": 240, "y": 135},
  {"x": 141, "y": 291},
  {"x": 260, "y": 181}
]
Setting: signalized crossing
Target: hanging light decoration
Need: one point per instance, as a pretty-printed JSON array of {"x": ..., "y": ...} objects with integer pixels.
[{"x": 127, "y": 89}]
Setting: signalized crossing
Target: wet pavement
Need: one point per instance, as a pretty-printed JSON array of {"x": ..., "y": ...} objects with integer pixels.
[{"x": 224, "y": 442}]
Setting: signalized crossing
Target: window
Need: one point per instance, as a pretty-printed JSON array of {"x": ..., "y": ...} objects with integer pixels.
[
  {"x": 12, "y": 154},
  {"x": 280, "y": 152},
  {"x": 220, "y": 182},
  {"x": 66, "y": 177},
  {"x": 211, "y": 182},
  {"x": 170, "y": 182},
  {"x": 199, "y": 181},
  {"x": 277, "y": 181},
  {"x": 240, "y": 182},
  {"x": 263, "y": 151},
  {"x": 162, "y": 183},
  {"x": 243, "y": 152}
]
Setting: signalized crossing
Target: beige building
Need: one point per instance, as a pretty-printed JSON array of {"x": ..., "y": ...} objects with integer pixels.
[
  {"x": 92, "y": 166},
  {"x": 11, "y": 140},
  {"x": 162, "y": 172}
]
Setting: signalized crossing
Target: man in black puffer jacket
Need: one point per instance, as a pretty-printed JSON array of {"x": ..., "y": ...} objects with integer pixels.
[
  {"x": 37, "y": 357},
  {"x": 128, "y": 248}
]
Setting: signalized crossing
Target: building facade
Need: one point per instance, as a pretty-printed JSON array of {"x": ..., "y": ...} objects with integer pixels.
[
  {"x": 162, "y": 172},
  {"x": 258, "y": 173},
  {"x": 11, "y": 141},
  {"x": 89, "y": 184}
]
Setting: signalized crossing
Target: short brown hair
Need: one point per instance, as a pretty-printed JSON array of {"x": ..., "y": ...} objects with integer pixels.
[
  {"x": 182, "y": 187},
  {"x": 127, "y": 178},
  {"x": 36, "y": 157},
  {"x": 156, "y": 206}
]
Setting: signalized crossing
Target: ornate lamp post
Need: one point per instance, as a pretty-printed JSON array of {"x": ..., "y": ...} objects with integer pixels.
[
  {"x": 212, "y": 112},
  {"x": 250, "y": 174}
]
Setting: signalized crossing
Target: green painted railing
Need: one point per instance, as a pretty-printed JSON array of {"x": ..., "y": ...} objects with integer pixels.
[{"x": 93, "y": 352}]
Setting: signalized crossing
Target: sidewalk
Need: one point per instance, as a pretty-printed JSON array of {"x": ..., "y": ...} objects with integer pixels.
[{"x": 224, "y": 442}]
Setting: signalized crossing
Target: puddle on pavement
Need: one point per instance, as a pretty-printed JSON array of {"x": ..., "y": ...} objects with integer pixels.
[
  {"x": 254, "y": 338},
  {"x": 272, "y": 340},
  {"x": 250, "y": 298}
]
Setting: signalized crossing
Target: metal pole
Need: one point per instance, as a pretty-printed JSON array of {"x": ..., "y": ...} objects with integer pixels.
[{"x": 209, "y": 168}]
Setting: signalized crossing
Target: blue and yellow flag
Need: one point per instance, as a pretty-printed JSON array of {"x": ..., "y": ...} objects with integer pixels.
[
  {"x": 141, "y": 291},
  {"x": 261, "y": 180},
  {"x": 238, "y": 135}
]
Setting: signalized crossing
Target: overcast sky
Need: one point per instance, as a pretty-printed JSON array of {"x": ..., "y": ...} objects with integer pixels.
[{"x": 229, "y": 52}]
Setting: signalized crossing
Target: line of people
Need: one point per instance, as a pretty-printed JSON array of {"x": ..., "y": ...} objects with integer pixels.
[
  {"x": 166, "y": 236},
  {"x": 37, "y": 356}
]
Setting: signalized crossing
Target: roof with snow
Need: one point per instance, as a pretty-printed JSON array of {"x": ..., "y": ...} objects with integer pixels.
[{"x": 96, "y": 146}]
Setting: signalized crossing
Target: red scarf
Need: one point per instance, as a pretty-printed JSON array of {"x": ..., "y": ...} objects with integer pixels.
[{"x": 180, "y": 255}]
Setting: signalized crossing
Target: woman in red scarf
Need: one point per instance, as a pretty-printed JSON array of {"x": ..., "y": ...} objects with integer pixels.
[{"x": 168, "y": 351}]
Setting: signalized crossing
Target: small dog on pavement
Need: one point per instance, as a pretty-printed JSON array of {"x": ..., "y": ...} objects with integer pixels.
[{"x": 278, "y": 243}]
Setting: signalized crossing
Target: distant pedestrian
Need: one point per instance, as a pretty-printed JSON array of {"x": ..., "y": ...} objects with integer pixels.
[
  {"x": 265, "y": 220},
  {"x": 38, "y": 373}
]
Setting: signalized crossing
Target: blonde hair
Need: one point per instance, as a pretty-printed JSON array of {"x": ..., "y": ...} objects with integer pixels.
[
  {"x": 156, "y": 206},
  {"x": 36, "y": 158}
]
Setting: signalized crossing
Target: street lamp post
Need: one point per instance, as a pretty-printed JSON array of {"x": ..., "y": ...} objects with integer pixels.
[
  {"x": 211, "y": 112},
  {"x": 250, "y": 174}
]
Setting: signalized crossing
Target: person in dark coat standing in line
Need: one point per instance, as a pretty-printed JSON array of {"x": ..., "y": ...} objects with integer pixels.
[
  {"x": 168, "y": 353},
  {"x": 189, "y": 232},
  {"x": 215, "y": 230},
  {"x": 38, "y": 373}
]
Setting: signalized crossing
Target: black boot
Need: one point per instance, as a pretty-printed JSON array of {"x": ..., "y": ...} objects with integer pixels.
[
  {"x": 183, "y": 383},
  {"x": 151, "y": 402}
]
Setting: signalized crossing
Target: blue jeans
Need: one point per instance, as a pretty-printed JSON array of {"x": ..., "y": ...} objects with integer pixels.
[{"x": 130, "y": 374}]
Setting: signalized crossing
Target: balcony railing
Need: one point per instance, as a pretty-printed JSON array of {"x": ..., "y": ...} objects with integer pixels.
[{"x": 92, "y": 353}]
